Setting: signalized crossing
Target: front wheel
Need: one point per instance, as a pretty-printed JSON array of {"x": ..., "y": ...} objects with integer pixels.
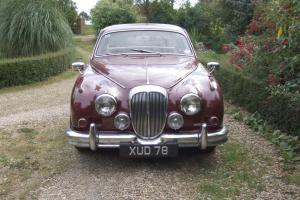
[
  {"x": 210, "y": 149},
  {"x": 82, "y": 150}
]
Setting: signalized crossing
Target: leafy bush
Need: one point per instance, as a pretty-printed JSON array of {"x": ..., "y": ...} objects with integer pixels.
[
  {"x": 280, "y": 108},
  {"x": 32, "y": 69},
  {"x": 69, "y": 10},
  {"x": 274, "y": 36},
  {"x": 31, "y": 28},
  {"x": 272, "y": 62},
  {"x": 194, "y": 36},
  {"x": 108, "y": 13}
]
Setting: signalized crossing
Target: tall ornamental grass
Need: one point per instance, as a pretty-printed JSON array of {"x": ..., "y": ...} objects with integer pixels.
[{"x": 32, "y": 27}]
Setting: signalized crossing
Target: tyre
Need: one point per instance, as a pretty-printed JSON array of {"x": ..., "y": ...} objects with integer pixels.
[
  {"x": 210, "y": 149},
  {"x": 82, "y": 150}
]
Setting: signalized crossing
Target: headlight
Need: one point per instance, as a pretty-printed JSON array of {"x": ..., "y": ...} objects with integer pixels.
[
  {"x": 106, "y": 105},
  {"x": 121, "y": 121},
  {"x": 190, "y": 104},
  {"x": 175, "y": 121}
]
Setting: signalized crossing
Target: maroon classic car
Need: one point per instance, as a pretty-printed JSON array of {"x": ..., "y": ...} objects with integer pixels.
[{"x": 145, "y": 92}]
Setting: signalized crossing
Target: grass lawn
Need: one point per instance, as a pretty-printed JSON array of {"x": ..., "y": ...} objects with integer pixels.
[
  {"x": 89, "y": 30},
  {"x": 29, "y": 155},
  {"x": 87, "y": 45},
  {"x": 234, "y": 171}
]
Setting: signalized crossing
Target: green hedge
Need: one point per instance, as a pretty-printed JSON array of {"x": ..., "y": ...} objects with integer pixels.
[
  {"x": 255, "y": 97},
  {"x": 21, "y": 71}
]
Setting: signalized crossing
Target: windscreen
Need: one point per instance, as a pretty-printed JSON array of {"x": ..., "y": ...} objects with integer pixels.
[{"x": 126, "y": 42}]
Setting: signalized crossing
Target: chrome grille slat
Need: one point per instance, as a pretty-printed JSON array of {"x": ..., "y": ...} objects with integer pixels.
[{"x": 148, "y": 110}]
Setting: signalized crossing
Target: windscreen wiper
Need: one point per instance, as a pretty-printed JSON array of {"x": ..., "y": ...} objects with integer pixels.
[{"x": 144, "y": 51}]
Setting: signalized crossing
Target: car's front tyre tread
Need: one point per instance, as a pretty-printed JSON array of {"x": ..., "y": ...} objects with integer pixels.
[
  {"x": 82, "y": 150},
  {"x": 210, "y": 149}
]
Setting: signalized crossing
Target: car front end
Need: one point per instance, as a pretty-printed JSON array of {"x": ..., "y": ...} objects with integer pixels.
[{"x": 146, "y": 104}]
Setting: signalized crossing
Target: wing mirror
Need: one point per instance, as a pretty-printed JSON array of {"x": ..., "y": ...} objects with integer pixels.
[
  {"x": 78, "y": 66},
  {"x": 211, "y": 66}
]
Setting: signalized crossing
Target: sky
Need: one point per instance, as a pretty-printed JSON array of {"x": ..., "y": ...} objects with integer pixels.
[{"x": 87, "y": 5}]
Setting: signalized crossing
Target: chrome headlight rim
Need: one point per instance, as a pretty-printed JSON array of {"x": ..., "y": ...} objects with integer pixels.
[
  {"x": 184, "y": 98},
  {"x": 173, "y": 114},
  {"x": 114, "y": 107},
  {"x": 122, "y": 115}
]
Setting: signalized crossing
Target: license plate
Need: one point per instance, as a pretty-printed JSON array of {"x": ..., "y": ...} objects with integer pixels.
[{"x": 137, "y": 150}]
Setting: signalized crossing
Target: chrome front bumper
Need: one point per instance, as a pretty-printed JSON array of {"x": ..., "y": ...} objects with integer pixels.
[{"x": 94, "y": 139}]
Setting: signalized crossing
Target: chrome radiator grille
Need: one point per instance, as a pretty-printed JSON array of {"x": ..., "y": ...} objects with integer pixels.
[{"x": 148, "y": 110}]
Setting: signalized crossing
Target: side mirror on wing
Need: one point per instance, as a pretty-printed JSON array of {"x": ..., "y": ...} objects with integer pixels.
[
  {"x": 211, "y": 66},
  {"x": 78, "y": 66}
]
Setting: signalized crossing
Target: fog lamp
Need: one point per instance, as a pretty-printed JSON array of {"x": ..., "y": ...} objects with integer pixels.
[
  {"x": 122, "y": 121},
  {"x": 175, "y": 121}
]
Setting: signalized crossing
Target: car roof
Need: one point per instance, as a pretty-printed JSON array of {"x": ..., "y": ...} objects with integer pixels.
[{"x": 143, "y": 26}]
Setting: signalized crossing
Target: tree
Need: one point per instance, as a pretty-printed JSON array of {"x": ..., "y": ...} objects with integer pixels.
[
  {"x": 144, "y": 6},
  {"x": 85, "y": 16},
  {"x": 236, "y": 15},
  {"x": 162, "y": 11},
  {"x": 109, "y": 12},
  {"x": 32, "y": 27}
]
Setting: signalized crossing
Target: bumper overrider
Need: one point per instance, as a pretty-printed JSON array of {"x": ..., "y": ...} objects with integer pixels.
[{"x": 96, "y": 139}]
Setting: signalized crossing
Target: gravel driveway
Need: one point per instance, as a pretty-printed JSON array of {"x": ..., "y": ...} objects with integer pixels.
[
  {"x": 36, "y": 104},
  {"x": 104, "y": 175}
]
